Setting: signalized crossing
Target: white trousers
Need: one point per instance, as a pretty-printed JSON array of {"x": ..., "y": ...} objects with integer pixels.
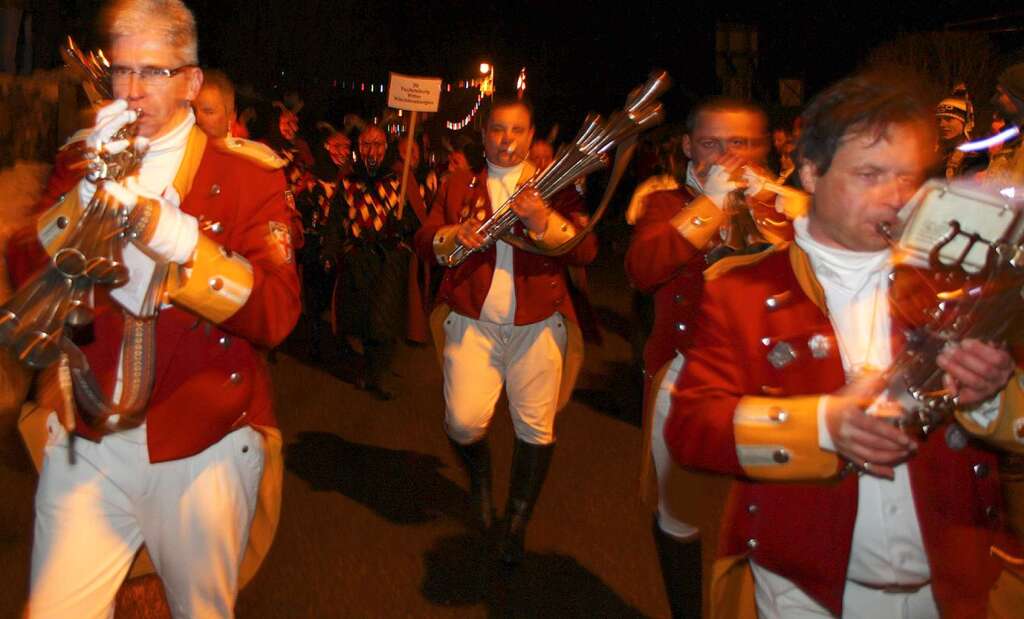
[
  {"x": 482, "y": 357},
  {"x": 92, "y": 516},
  {"x": 778, "y": 598},
  {"x": 664, "y": 466}
]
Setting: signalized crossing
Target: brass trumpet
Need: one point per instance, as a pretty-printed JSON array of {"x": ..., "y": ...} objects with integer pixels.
[
  {"x": 86, "y": 252},
  {"x": 967, "y": 285},
  {"x": 587, "y": 153},
  {"x": 32, "y": 321}
]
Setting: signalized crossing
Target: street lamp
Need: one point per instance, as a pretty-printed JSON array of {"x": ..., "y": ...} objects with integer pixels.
[{"x": 487, "y": 84}]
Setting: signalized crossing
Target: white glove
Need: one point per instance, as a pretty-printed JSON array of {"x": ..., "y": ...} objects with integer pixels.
[
  {"x": 177, "y": 232},
  {"x": 718, "y": 185},
  {"x": 755, "y": 182},
  {"x": 110, "y": 119}
]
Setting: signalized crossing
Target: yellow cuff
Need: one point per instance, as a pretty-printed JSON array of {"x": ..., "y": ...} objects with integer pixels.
[
  {"x": 218, "y": 286},
  {"x": 1007, "y": 430},
  {"x": 698, "y": 221},
  {"x": 445, "y": 241},
  {"x": 558, "y": 233},
  {"x": 777, "y": 439},
  {"x": 55, "y": 225}
]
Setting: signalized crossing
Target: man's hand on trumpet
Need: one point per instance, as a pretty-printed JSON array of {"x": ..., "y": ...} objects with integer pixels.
[
  {"x": 719, "y": 181},
  {"x": 110, "y": 119},
  {"x": 873, "y": 444},
  {"x": 155, "y": 222},
  {"x": 975, "y": 371},
  {"x": 532, "y": 210},
  {"x": 758, "y": 181}
]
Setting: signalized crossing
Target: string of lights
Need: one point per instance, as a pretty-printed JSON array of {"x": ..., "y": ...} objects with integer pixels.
[{"x": 456, "y": 126}]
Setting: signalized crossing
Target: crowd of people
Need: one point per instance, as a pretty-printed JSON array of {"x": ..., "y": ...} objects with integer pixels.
[{"x": 764, "y": 253}]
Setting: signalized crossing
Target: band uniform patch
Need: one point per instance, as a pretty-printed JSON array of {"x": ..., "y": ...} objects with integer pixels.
[{"x": 281, "y": 238}]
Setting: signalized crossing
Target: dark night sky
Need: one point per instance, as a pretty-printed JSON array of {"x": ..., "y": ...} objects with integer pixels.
[{"x": 578, "y": 56}]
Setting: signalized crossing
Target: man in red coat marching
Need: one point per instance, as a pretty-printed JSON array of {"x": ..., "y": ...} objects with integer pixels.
[
  {"x": 836, "y": 511},
  {"x": 508, "y": 320},
  {"x": 678, "y": 233},
  {"x": 192, "y": 482}
]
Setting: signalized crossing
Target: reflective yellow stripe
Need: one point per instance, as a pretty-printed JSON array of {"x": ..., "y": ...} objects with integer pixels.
[
  {"x": 218, "y": 286},
  {"x": 777, "y": 438},
  {"x": 699, "y": 221}
]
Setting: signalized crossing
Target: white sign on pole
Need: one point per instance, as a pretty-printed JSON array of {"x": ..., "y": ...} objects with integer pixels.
[{"x": 412, "y": 93}]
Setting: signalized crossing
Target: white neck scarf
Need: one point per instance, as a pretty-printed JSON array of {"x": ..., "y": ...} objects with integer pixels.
[{"x": 163, "y": 158}]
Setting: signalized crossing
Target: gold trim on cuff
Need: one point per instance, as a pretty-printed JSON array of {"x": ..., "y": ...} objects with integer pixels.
[
  {"x": 559, "y": 231},
  {"x": 218, "y": 286},
  {"x": 445, "y": 241},
  {"x": 1007, "y": 430},
  {"x": 699, "y": 221},
  {"x": 777, "y": 439},
  {"x": 55, "y": 225}
]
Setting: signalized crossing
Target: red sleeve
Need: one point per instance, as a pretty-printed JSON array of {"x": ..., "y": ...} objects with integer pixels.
[
  {"x": 67, "y": 171},
  {"x": 272, "y": 309},
  {"x": 657, "y": 251},
  {"x": 23, "y": 254}
]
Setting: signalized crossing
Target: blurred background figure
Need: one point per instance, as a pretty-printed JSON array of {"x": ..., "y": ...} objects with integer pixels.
[
  {"x": 954, "y": 117},
  {"x": 541, "y": 154},
  {"x": 215, "y": 105}
]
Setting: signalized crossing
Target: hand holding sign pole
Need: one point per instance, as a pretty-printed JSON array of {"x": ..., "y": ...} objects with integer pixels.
[{"x": 412, "y": 94}]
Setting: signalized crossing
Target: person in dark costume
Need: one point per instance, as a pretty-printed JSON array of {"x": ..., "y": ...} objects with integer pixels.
[
  {"x": 368, "y": 237},
  {"x": 331, "y": 165}
]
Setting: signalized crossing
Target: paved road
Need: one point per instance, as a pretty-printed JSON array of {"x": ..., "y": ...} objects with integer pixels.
[{"x": 374, "y": 524}]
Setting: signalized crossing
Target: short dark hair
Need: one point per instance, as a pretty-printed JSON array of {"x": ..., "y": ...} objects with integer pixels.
[
  {"x": 503, "y": 101},
  {"x": 722, "y": 104},
  {"x": 864, "y": 104},
  {"x": 217, "y": 79}
]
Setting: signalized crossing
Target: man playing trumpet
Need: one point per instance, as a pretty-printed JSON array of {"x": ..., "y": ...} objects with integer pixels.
[
  {"x": 837, "y": 511},
  {"x": 190, "y": 482},
  {"x": 678, "y": 234},
  {"x": 505, "y": 318}
]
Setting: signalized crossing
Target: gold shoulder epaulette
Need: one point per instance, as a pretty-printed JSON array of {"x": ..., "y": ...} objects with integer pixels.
[
  {"x": 257, "y": 152},
  {"x": 729, "y": 263}
]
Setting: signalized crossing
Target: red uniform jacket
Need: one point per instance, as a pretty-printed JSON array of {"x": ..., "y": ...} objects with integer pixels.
[
  {"x": 668, "y": 264},
  {"x": 540, "y": 281},
  {"x": 791, "y": 510},
  {"x": 210, "y": 379},
  {"x": 661, "y": 262}
]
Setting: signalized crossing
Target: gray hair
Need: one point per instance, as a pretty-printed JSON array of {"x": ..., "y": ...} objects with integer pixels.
[{"x": 171, "y": 20}]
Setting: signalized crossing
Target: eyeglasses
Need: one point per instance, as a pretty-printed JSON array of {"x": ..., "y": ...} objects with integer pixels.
[{"x": 147, "y": 75}]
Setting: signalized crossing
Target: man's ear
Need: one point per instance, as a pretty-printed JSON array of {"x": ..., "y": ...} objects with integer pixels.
[
  {"x": 195, "y": 83},
  {"x": 687, "y": 147},
  {"x": 808, "y": 175}
]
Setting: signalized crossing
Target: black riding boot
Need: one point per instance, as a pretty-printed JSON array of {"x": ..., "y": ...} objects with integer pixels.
[
  {"x": 529, "y": 469},
  {"x": 681, "y": 572},
  {"x": 476, "y": 457}
]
